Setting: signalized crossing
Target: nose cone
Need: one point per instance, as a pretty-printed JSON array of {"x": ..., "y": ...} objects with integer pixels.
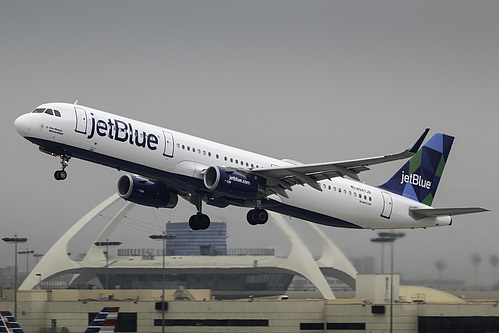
[{"x": 23, "y": 124}]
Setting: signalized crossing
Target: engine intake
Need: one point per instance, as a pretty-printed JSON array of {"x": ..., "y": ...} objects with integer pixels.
[
  {"x": 146, "y": 192},
  {"x": 232, "y": 184}
]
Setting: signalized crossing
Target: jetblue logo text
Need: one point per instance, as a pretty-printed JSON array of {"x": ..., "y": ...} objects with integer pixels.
[
  {"x": 415, "y": 179},
  {"x": 239, "y": 180},
  {"x": 123, "y": 132}
]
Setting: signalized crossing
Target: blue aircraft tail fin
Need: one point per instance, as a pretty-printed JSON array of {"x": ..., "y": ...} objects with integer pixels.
[{"x": 418, "y": 179}]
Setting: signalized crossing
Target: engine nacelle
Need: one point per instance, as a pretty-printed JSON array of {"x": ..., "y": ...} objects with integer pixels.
[
  {"x": 232, "y": 184},
  {"x": 146, "y": 192}
]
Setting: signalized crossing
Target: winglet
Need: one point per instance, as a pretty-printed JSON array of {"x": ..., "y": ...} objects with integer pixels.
[{"x": 418, "y": 143}]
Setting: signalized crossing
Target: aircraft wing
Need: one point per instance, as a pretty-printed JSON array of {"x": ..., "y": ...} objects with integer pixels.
[
  {"x": 434, "y": 212},
  {"x": 279, "y": 179}
]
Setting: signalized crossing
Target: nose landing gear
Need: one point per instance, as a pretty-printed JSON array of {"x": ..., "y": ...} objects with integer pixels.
[{"x": 62, "y": 174}]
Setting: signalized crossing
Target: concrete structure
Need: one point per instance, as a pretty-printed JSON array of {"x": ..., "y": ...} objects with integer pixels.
[
  {"x": 70, "y": 309},
  {"x": 300, "y": 261},
  {"x": 377, "y": 288}
]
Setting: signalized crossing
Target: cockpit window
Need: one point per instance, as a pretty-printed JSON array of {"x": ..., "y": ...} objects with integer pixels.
[{"x": 51, "y": 112}]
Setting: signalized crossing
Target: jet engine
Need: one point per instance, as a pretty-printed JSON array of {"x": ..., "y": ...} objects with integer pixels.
[
  {"x": 146, "y": 192},
  {"x": 232, "y": 184}
]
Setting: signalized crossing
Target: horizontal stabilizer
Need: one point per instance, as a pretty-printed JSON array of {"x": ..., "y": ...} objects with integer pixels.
[{"x": 434, "y": 212}]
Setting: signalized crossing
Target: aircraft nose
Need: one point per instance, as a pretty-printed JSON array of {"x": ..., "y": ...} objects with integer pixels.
[{"x": 23, "y": 124}]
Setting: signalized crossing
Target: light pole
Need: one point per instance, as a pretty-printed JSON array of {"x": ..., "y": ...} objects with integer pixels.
[
  {"x": 107, "y": 244},
  {"x": 163, "y": 237},
  {"x": 15, "y": 240},
  {"x": 27, "y": 253},
  {"x": 389, "y": 237},
  {"x": 37, "y": 256},
  {"x": 382, "y": 241}
]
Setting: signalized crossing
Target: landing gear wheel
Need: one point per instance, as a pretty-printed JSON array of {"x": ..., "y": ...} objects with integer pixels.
[
  {"x": 199, "y": 221},
  {"x": 60, "y": 175},
  {"x": 249, "y": 217},
  {"x": 257, "y": 216}
]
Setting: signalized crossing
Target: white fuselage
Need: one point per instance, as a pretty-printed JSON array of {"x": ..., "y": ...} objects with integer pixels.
[{"x": 179, "y": 161}]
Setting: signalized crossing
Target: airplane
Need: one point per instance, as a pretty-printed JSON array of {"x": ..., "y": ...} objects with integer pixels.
[
  {"x": 105, "y": 321},
  {"x": 163, "y": 165},
  {"x": 8, "y": 323}
]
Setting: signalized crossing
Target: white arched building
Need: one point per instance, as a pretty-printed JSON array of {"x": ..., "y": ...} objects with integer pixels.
[{"x": 268, "y": 272}]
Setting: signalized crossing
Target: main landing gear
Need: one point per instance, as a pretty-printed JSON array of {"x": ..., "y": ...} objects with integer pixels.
[
  {"x": 62, "y": 174},
  {"x": 199, "y": 221},
  {"x": 257, "y": 216}
]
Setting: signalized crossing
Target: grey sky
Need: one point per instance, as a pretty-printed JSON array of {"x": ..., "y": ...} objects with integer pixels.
[{"x": 313, "y": 81}]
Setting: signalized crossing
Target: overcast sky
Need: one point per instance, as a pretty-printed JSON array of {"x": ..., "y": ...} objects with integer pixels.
[{"x": 313, "y": 81}]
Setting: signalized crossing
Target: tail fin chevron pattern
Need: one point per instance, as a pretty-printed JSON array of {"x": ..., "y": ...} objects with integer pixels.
[
  {"x": 418, "y": 179},
  {"x": 8, "y": 323},
  {"x": 105, "y": 320}
]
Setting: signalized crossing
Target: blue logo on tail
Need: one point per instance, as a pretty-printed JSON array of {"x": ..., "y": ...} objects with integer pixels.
[{"x": 418, "y": 179}]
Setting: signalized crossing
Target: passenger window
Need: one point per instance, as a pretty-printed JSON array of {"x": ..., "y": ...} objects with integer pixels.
[{"x": 57, "y": 113}]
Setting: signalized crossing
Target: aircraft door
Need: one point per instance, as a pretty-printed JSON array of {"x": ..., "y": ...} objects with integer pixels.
[
  {"x": 81, "y": 120},
  {"x": 387, "y": 205},
  {"x": 169, "y": 144}
]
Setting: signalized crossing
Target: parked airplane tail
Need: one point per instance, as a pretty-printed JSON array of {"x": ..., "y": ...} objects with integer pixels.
[
  {"x": 105, "y": 321},
  {"x": 8, "y": 323},
  {"x": 418, "y": 179}
]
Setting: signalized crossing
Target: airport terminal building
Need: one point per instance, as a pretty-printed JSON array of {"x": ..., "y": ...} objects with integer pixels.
[{"x": 210, "y": 288}]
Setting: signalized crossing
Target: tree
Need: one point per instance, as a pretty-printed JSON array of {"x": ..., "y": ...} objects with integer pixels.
[
  {"x": 475, "y": 260},
  {"x": 494, "y": 262},
  {"x": 441, "y": 266}
]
